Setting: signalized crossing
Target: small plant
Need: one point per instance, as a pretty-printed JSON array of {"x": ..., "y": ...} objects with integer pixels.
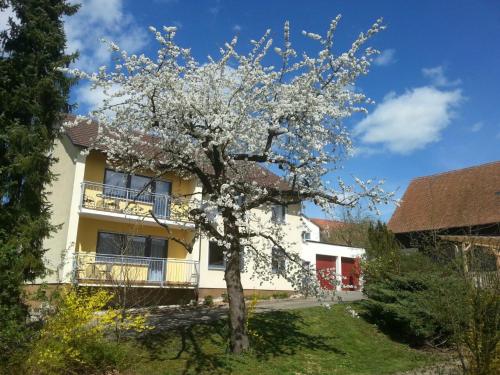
[
  {"x": 208, "y": 301},
  {"x": 225, "y": 298},
  {"x": 250, "y": 312}
]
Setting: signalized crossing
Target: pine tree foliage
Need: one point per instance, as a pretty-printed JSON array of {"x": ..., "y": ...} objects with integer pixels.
[{"x": 33, "y": 96}]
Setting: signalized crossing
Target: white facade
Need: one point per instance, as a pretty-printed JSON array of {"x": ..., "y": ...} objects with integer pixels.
[
  {"x": 308, "y": 249},
  {"x": 301, "y": 235}
]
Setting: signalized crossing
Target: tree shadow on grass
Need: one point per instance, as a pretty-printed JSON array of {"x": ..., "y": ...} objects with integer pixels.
[
  {"x": 284, "y": 333},
  {"x": 204, "y": 347}
]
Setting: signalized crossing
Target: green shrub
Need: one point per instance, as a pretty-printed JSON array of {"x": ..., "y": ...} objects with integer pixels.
[
  {"x": 280, "y": 295},
  {"x": 399, "y": 303},
  {"x": 225, "y": 297},
  {"x": 74, "y": 339},
  {"x": 208, "y": 301}
]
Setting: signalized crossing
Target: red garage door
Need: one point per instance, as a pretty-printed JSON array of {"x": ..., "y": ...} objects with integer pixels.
[
  {"x": 350, "y": 273},
  {"x": 325, "y": 269}
]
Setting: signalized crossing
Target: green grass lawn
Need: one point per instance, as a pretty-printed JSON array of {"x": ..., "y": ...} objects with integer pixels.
[{"x": 308, "y": 341}]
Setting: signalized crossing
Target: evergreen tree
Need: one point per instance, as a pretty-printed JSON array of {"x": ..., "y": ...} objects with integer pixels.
[
  {"x": 382, "y": 245},
  {"x": 33, "y": 97}
]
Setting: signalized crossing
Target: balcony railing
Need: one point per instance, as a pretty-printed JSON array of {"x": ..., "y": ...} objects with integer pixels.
[
  {"x": 115, "y": 199},
  {"x": 122, "y": 270}
]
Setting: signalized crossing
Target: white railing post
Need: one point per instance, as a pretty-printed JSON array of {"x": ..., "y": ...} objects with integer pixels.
[
  {"x": 75, "y": 269},
  {"x": 164, "y": 272},
  {"x": 166, "y": 200},
  {"x": 82, "y": 194}
]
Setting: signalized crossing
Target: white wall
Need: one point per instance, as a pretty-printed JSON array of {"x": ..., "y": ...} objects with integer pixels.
[
  {"x": 312, "y": 228},
  {"x": 293, "y": 227},
  {"x": 61, "y": 194},
  {"x": 310, "y": 249}
]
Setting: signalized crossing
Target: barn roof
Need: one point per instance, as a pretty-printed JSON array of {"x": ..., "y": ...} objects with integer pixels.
[{"x": 460, "y": 198}]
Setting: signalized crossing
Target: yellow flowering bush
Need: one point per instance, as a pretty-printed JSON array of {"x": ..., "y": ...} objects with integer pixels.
[
  {"x": 74, "y": 338},
  {"x": 250, "y": 313}
]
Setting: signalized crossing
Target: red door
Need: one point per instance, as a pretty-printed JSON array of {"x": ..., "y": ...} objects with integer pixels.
[
  {"x": 325, "y": 270},
  {"x": 350, "y": 274}
]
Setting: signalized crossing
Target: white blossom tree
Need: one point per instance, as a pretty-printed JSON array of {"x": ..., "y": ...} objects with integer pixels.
[{"x": 227, "y": 121}]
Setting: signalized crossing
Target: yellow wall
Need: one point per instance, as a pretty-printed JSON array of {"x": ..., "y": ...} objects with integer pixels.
[
  {"x": 96, "y": 164},
  {"x": 88, "y": 228}
]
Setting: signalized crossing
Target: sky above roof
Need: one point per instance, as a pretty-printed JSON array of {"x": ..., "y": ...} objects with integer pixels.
[{"x": 435, "y": 83}]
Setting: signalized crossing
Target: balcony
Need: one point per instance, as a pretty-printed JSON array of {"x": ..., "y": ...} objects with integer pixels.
[
  {"x": 121, "y": 202},
  {"x": 120, "y": 270}
]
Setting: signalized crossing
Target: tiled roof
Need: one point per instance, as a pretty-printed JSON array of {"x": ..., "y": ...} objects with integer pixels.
[
  {"x": 455, "y": 199},
  {"x": 325, "y": 225},
  {"x": 84, "y": 134}
]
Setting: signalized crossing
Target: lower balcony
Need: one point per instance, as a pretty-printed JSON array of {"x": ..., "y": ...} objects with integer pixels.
[{"x": 121, "y": 270}]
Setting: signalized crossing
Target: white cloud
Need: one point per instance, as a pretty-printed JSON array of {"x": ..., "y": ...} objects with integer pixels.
[
  {"x": 98, "y": 19},
  {"x": 438, "y": 78},
  {"x": 410, "y": 121},
  {"x": 237, "y": 28},
  {"x": 476, "y": 127},
  {"x": 92, "y": 99},
  {"x": 5, "y": 14},
  {"x": 386, "y": 57}
]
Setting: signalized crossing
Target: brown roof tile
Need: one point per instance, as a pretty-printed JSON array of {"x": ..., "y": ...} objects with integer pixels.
[
  {"x": 84, "y": 134},
  {"x": 455, "y": 199},
  {"x": 325, "y": 225}
]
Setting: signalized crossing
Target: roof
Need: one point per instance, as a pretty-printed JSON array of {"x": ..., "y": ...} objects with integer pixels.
[
  {"x": 84, "y": 134},
  {"x": 325, "y": 225},
  {"x": 461, "y": 198}
]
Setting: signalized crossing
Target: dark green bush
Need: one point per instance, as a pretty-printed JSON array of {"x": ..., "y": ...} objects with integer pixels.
[{"x": 403, "y": 304}]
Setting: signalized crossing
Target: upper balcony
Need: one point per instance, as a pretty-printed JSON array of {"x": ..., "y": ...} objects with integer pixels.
[{"x": 123, "y": 204}]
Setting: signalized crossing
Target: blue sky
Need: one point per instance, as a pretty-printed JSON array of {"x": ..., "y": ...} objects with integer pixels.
[{"x": 435, "y": 83}]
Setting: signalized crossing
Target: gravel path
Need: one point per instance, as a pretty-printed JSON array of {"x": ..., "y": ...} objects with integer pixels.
[{"x": 165, "y": 318}]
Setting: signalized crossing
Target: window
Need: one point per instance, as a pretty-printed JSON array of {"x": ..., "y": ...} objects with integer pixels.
[
  {"x": 278, "y": 213},
  {"x": 110, "y": 243},
  {"x": 216, "y": 256},
  {"x": 143, "y": 185},
  {"x": 116, "y": 184},
  {"x": 137, "y": 246},
  {"x": 306, "y": 235},
  {"x": 278, "y": 261},
  {"x": 240, "y": 201}
]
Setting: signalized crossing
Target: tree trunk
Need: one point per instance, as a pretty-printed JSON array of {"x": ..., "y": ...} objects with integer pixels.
[{"x": 237, "y": 309}]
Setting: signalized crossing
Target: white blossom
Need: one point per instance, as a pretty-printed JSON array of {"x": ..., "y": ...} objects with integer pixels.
[{"x": 226, "y": 119}]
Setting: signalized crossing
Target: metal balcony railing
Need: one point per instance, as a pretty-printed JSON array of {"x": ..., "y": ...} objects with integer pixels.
[
  {"x": 115, "y": 199},
  {"x": 123, "y": 270}
]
